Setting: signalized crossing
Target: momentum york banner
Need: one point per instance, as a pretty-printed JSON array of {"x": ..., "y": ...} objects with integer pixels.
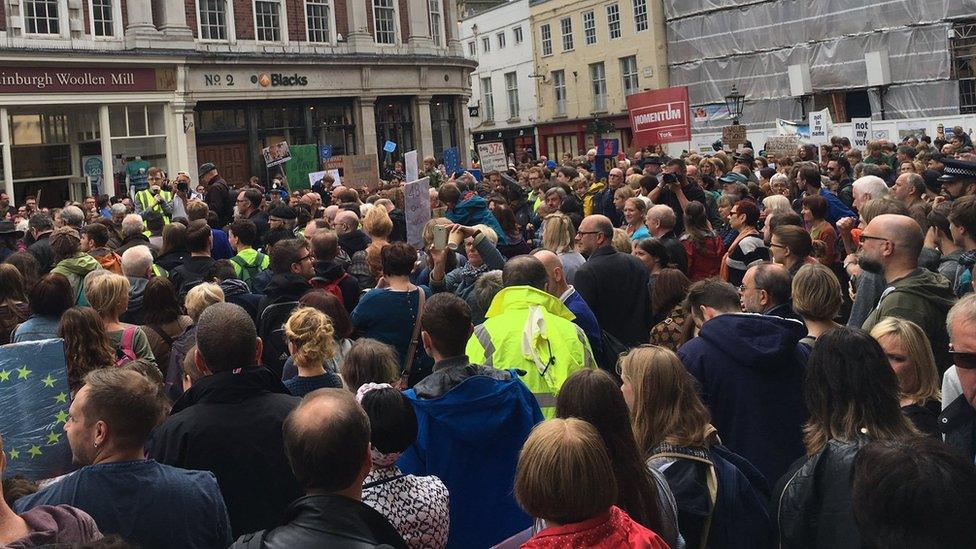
[{"x": 660, "y": 116}]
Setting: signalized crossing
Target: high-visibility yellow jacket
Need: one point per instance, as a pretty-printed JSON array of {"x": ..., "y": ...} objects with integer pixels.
[
  {"x": 531, "y": 330},
  {"x": 148, "y": 202}
]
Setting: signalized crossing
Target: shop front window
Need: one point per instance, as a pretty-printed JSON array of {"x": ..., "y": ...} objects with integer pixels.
[
  {"x": 334, "y": 126},
  {"x": 277, "y": 124},
  {"x": 39, "y": 146},
  {"x": 393, "y": 123},
  {"x": 443, "y": 124}
]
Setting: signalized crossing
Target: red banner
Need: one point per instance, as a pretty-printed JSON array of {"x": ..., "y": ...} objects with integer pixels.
[
  {"x": 73, "y": 80},
  {"x": 659, "y": 116}
]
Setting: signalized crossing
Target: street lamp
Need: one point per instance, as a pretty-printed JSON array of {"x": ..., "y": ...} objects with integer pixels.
[{"x": 733, "y": 102}]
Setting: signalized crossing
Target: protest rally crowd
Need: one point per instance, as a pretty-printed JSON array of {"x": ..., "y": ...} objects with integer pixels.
[{"x": 738, "y": 350}]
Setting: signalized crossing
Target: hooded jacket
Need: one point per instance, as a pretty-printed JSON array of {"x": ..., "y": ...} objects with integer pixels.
[
  {"x": 354, "y": 241},
  {"x": 56, "y": 524},
  {"x": 137, "y": 291},
  {"x": 284, "y": 287},
  {"x": 229, "y": 423},
  {"x": 328, "y": 271},
  {"x": 237, "y": 292},
  {"x": 924, "y": 298},
  {"x": 75, "y": 268},
  {"x": 326, "y": 521},
  {"x": 750, "y": 368},
  {"x": 473, "y": 211},
  {"x": 470, "y": 438},
  {"x": 531, "y": 330}
]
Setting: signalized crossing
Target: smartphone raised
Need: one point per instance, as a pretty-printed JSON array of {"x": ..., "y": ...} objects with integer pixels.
[{"x": 440, "y": 237}]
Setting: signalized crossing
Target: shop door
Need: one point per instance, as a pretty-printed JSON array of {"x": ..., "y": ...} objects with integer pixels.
[{"x": 230, "y": 159}]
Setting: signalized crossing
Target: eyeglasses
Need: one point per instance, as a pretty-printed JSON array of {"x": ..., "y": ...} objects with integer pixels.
[
  {"x": 869, "y": 237},
  {"x": 303, "y": 258},
  {"x": 963, "y": 359},
  {"x": 587, "y": 232}
]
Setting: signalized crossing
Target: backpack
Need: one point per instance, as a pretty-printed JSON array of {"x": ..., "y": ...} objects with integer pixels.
[
  {"x": 125, "y": 352},
  {"x": 332, "y": 287},
  {"x": 249, "y": 272},
  {"x": 271, "y": 331}
]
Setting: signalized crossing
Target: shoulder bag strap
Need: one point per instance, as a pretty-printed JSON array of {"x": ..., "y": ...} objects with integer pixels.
[
  {"x": 161, "y": 333},
  {"x": 412, "y": 349},
  {"x": 380, "y": 482},
  {"x": 711, "y": 481}
]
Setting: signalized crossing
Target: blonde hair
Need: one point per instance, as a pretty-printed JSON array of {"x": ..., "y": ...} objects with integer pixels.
[
  {"x": 817, "y": 294},
  {"x": 624, "y": 193},
  {"x": 558, "y": 233},
  {"x": 919, "y": 350},
  {"x": 776, "y": 203},
  {"x": 311, "y": 333},
  {"x": 105, "y": 292},
  {"x": 633, "y": 182},
  {"x": 621, "y": 241},
  {"x": 564, "y": 473},
  {"x": 666, "y": 406},
  {"x": 200, "y": 297},
  {"x": 377, "y": 222}
]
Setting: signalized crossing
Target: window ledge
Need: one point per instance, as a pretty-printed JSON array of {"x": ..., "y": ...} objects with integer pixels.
[{"x": 513, "y": 120}]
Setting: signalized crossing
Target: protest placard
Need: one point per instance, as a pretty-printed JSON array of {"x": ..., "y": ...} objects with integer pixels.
[
  {"x": 360, "y": 170},
  {"x": 34, "y": 401},
  {"x": 492, "y": 155},
  {"x": 416, "y": 205},
  {"x": 276, "y": 154},
  {"x": 410, "y": 165}
]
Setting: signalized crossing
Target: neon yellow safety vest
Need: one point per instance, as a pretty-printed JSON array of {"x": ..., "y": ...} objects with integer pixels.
[
  {"x": 531, "y": 330},
  {"x": 147, "y": 202}
]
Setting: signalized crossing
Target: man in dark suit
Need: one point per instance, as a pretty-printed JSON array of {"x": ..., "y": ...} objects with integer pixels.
[{"x": 613, "y": 284}]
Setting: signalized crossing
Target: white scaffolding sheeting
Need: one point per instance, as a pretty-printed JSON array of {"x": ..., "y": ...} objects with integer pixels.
[{"x": 715, "y": 43}]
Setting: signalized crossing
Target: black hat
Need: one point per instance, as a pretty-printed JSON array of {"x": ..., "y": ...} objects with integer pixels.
[
  {"x": 957, "y": 170},
  {"x": 7, "y": 228},
  {"x": 206, "y": 168},
  {"x": 931, "y": 178},
  {"x": 282, "y": 211}
]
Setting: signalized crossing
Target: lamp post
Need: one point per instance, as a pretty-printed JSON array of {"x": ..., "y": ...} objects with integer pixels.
[{"x": 734, "y": 102}]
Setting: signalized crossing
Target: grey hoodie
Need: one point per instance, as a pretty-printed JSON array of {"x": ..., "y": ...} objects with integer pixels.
[{"x": 137, "y": 291}]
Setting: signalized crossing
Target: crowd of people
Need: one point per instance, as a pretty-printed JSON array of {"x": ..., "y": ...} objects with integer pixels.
[{"x": 725, "y": 351}]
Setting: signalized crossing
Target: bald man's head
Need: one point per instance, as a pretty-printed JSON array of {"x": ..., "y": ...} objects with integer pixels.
[
  {"x": 903, "y": 231},
  {"x": 329, "y": 427},
  {"x": 554, "y": 270},
  {"x": 345, "y": 222}
]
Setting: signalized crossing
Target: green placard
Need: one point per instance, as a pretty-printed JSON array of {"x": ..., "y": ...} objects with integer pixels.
[{"x": 304, "y": 160}]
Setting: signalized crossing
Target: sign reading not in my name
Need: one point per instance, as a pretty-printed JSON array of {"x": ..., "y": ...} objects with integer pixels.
[{"x": 75, "y": 80}]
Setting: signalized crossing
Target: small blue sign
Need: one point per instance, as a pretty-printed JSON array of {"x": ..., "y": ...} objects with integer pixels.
[
  {"x": 452, "y": 160},
  {"x": 325, "y": 152},
  {"x": 389, "y": 146},
  {"x": 602, "y": 166},
  {"x": 476, "y": 173},
  {"x": 608, "y": 147}
]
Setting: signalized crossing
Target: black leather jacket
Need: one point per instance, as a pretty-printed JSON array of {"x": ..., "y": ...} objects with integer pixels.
[
  {"x": 332, "y": 521},
  {"x": 958, "y": 423},
  {"x": 812, "y": 502}
]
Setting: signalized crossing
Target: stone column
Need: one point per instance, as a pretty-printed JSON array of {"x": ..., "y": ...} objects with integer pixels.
[
  {"x": 181, "y": 137},
  {"x": 173, "y": 17},
  {"x": 8, "y": 165},
  {"x": 105, "y": 138},
  {"x": 366, "y": 125},
  {"x": 358, "y": 36},
  {"x": 426, "y": 147},
  {"x": 463, "y": 131},
  {"x": 418, "y": 35},
  {"x": 140, "y": 32},
  {"x": 451, "y": 25}
]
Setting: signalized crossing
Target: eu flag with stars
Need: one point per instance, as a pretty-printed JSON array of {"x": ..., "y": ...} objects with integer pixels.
[{"x": 34, "y": 400}]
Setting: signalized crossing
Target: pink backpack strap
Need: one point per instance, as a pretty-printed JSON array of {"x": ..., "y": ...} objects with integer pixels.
[{"x": 128, "y": 336}]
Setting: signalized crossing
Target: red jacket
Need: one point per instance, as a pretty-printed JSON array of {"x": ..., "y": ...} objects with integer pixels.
[
  {"x": 613, "y": 529},
  {"x": 704, "y": 261}
]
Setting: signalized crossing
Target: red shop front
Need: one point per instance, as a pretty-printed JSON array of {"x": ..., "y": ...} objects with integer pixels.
[{"x": 575, "y": 137}]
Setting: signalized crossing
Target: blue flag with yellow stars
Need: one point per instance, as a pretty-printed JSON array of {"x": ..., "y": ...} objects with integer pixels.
[{"x": 34, "y": 400}]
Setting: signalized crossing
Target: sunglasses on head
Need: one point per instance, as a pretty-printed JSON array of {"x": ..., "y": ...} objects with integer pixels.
[{"x": 964, "y": 359}]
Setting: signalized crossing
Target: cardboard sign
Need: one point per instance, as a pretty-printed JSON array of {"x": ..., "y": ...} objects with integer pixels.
[
  {"x": 733, "y": 136},
  {"x": 34, "y": 401},
  {"x": 276, "y": 154},
  {"x": 861, "y": 128},
  {"x": 660, "y": 116},
  {"x": 416, "y": 205},
  {"x": 452, "y": 161},
  {"x": 782, "y": 146},
  {"x": 492, "y": 155},
  {"x": 820, "y": 127},
  {"x": 410, "y": 163},
  {"x": 360, "y": 170}
]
